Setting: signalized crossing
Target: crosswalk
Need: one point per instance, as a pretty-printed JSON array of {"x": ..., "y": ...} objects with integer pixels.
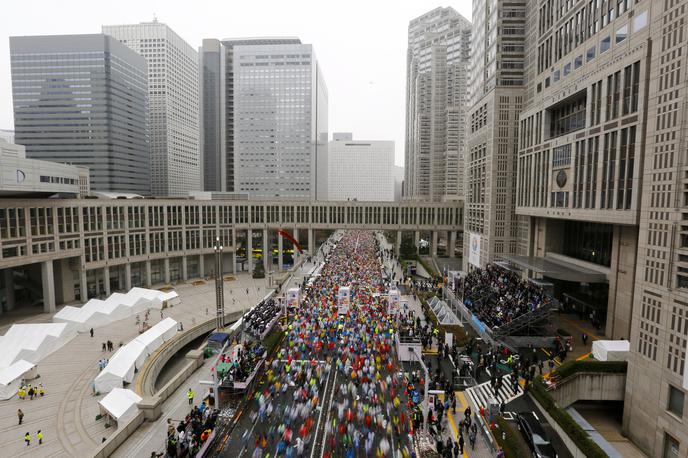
[{"x": 480, "y": 395}]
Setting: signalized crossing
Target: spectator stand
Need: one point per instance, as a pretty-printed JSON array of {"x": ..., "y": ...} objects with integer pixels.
[{"x": 260, "y": 320}]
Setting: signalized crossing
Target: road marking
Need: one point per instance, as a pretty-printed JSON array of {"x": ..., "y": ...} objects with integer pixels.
[
  {"x": 462, "y": 400},
  {"x": 317, "y": 426}
]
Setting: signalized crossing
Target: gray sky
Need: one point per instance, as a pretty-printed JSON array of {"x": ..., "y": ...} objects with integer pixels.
[{"x": 361, "y": 44}]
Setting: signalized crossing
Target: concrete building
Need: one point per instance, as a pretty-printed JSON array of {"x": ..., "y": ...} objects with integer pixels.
[
  {"x": 83, "y": 100},
  {"x": 7, "y": 135},
  {"x": 436, "y": 103},
  {"x": 20, "y": 176},
  {"x": 496, "y": 94},
  {"x": 61, "y": 250},
  {"x": 398, "y": 183},
  {"x": 360, "y": 170},
  {"x": 173, "y": 101},
  {"x": 240, "y": 78},
  {"x": 601, "y": 183}
]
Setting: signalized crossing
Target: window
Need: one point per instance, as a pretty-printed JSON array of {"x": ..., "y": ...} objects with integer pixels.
[
  {"x": 605, "y": 44},
  {"x": 675, "y": 401},
  {"x": 590, "y": 55},
  {"x": 556, "y": 76},
  {"x": 578, "y": 63},
  {"x": 567, "y": 69},
  {"x": 671, "y": 447},
  {"x": 622, "y": 33},
  {"x": 639, "y": 21}
]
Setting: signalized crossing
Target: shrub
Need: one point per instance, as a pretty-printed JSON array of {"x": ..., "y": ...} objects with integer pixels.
[
  {"x": 588, "y": 365},
  {"x": 511, "y": 443}
]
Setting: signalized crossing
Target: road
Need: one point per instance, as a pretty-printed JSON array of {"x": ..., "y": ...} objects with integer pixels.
[{"x": 335, "y": 388}]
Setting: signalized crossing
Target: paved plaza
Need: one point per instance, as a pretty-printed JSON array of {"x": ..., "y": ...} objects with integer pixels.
[{"x": 66, "y": 415}]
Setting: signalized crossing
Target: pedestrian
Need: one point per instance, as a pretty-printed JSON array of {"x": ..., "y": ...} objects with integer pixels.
[
  {"x": 461, "y": 444},
  {"x": 41, "y": 391},
  {"x": 91, "y": 331},
  {"x": 20, "y": 415},
  {"x": 27, "y": 438},
  {"x": 585, "y": 338},
  {"x": 190, "y": 395},
  {"x": 39, "y": 436},
  {"x": 161, "y": 314},
  {"x": 104, "y": 346},
  {"x": 31, "y": 393}
]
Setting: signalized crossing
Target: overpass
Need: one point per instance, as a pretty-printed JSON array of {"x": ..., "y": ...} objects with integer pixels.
[{"x": 83, "y": 248}]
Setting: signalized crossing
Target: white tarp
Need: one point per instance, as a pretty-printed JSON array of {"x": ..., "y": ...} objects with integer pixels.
[
  {"x": 11, "y": 378},
  {"x": 120, "y": 404},
  {"x": 611, "y": 350},
  {"x": 32, "y": 342},
  {"x": 96, "y": 313},
  {"x": 155, "y": 336},
  {"x": 171, "y": 298},
  {"x": 122, "y": 367}
]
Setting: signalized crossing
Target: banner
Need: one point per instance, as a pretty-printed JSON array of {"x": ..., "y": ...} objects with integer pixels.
[{"x": 474, "y": 250}]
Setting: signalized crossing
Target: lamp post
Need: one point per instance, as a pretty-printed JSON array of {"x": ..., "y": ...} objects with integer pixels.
[{"x": 219, "y": 286}]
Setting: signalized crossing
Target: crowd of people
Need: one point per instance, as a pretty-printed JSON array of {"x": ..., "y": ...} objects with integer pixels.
[
  {"x": 497, "y": 297},
  {"x": 344, "y": 362},
  {"x": 260, "y": 317},
  {"x": 190, "y": 434},
  {"x": 240, "y": 362}
]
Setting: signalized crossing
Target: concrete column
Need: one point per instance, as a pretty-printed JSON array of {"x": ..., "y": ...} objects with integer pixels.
[
  {"x": 452, "y": 244},
  {"x": 9, "y": 289},
  {"x": 106, "y": 280},
  {"x": 249, "y": 250},
  {"x": 433, "y": 249},
  {"x": 149, "y": 280},
  {"x": 48, "y": 280},
  {"x": 310, "y": 242},
  {"x": 280, "y": 252},
  {"x": 267, "y": 252},
  {"x": 416, "y": 240},
  {"x": 233, "y": 249},
  {"x": 84, "y": 285},
  {"x": 166, "y": 270},
  {"x": 127, "y": 276},
  {"x": 201, "y": 266},
  {"x": 185, "y": 275},
  {"x": 397, "y": 244}
]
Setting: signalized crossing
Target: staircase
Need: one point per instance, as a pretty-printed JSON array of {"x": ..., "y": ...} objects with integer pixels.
[
  {"x": 526, "y": 321},
  {"x": 481, "y": 394}
]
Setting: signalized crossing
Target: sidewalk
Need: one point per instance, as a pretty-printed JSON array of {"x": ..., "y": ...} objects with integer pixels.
[{"x": 481, "y": 448}]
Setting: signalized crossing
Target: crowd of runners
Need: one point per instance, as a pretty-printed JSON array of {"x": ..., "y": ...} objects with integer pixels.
[{"x": 335, "y": 384}]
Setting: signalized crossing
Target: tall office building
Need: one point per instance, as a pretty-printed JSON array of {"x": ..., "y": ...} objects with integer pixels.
[
  {"x": 436, "y": 102},
  {"x": 263, "y": 117},
  {"x": 173, "y": 104},
  {"x": 496, "y": 98},
  {"x": 601, "y": 182},
  {"x": 83, "y": 99},
  {"x": 360, "y": 169},
  {"x": 7, "y": 135}
]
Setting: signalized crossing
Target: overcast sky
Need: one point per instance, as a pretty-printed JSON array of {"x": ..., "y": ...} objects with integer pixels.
[{"x": 361, "y": 44}]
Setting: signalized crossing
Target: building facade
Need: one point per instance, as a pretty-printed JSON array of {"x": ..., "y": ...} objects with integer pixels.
[
  {"x": 436, "y": 102},
  {"x": 496, "y": 91},
  {"x": 7, "y": 135},
  {"x": 83, "y": 100},
  {"x": 360, "y": 170},
  {"x": 240, "y": 78},
  {"x": 173, "y": 101},
  {"x": 601, "y": 183},
  {"x": 32, "y": 177},
  {"x": 91, "y": 247}
]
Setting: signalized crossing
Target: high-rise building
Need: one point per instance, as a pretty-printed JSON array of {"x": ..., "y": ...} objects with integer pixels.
[
  {"x": 7, "y": 135},
  {"x": 83, "y": 99},
  {"x": 360, "y": 169},
  {"x": 263, "y": 117},
  {"x": 496, "y": 98},
  {"x": 436, "y": 102},
  {"x": 173, "y": 104},
  {"x": 601, "y": 182}
]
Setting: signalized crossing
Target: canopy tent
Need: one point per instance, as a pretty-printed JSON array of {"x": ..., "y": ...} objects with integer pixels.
[
  {"x": 96, "y": 313},
  {"x": 122, "y": 367},
  {"x": 121, "y": 405},
  {"x": 170, "y": 298},
  {"x": 155, "y": 336},
  {"x": 611, "y": 350},
  {"x": 32, "y": 342},
  {"x": 11, "y": 377}
]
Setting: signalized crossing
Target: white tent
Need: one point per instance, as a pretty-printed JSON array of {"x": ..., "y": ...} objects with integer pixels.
[
  {"x": 11, "y": 377},
  {"x": 32, "y": 342},
  {"x": 120, "y": 405},
  {"x": 155, "y": 336},
  {"x": 122, "y": 367},
  {"x": 171, "y": 298},
  {"x": 611, "y": 350}
]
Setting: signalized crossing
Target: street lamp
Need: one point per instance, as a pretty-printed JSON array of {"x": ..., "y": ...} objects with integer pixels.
[{"x": 219, "y": 285}]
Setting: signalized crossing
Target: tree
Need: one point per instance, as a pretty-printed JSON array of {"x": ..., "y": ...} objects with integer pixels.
[{"x": 407, "y": 248}]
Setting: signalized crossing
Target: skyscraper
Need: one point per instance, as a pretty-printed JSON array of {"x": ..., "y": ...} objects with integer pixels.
[
  {"x": 496, "y": 94},
  {"x": 83, "y": 99},
  {"x": 436, "y": 102},
  {"x": 263, "y": 117},
  {"x": 173, "y": 103}
]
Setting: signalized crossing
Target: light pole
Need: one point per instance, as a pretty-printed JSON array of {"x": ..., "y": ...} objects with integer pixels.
[{"x": 219, "y": 286}]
